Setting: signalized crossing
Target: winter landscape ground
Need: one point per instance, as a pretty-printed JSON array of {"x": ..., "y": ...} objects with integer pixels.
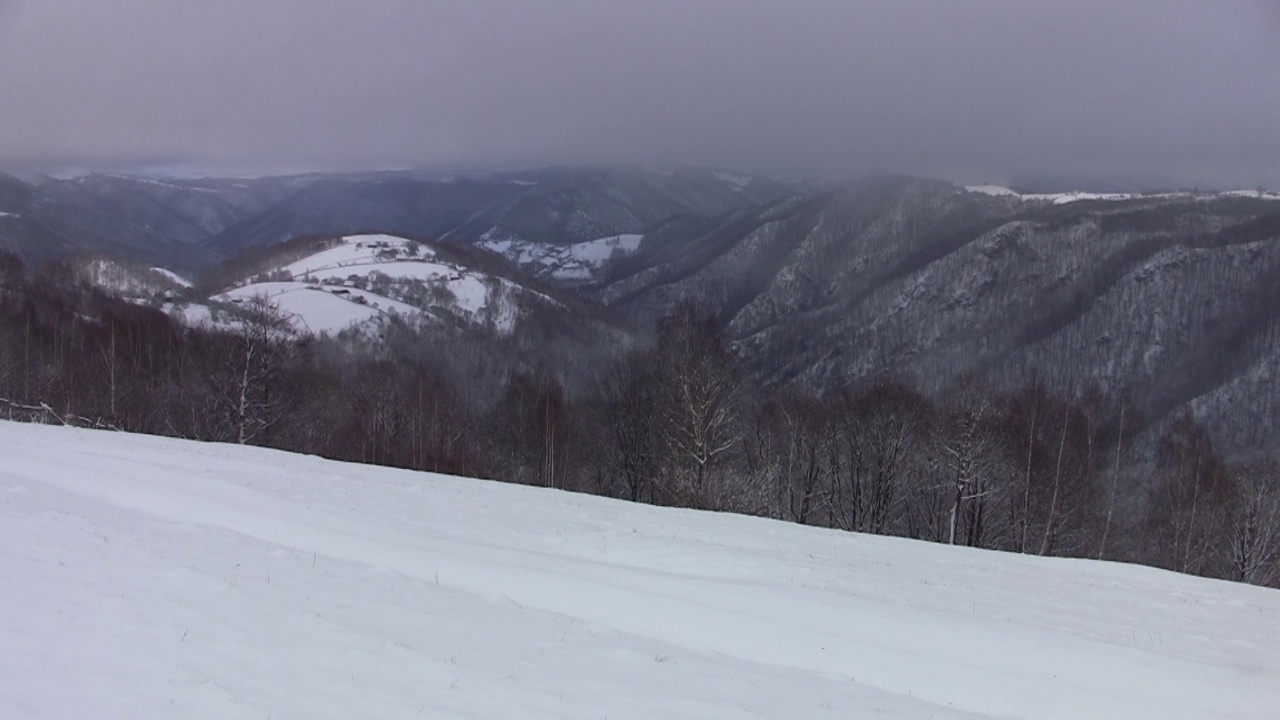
[{"x": 148, "y": 577}]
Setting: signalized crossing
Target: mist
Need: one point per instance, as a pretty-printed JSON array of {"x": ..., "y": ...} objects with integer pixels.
[{"x": 1162, "y": 92}]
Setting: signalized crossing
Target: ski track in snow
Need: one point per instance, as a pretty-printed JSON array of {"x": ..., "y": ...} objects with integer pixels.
[{"x": 152, "y": 577}]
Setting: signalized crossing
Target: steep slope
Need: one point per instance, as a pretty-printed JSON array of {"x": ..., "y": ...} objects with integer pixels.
[
  {"x": 1169, "y": 296},
  {"x": 255, "y": 583}
]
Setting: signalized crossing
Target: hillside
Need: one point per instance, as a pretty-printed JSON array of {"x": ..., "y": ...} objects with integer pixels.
[
  {"x": 555, "y": 206},
  {"x": 1170, "y": 297},
  {"x": 328, "y": 285},
  {"x": 254, "y": 583},
  {"x": 193, "y": 224}
]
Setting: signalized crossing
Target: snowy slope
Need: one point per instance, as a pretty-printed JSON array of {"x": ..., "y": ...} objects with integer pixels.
[
  {"x": 175, "y": 277},
  {"x": 151, "y": 577},
  {"x": 133, "y": 282},
  {"x": 579, "y": 261},
  {"x": 317, "y": 309},
  {"x": 319, "y": 293}
]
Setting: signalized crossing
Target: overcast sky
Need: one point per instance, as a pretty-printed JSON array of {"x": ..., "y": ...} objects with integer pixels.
[{"x": 976, "y": 90}]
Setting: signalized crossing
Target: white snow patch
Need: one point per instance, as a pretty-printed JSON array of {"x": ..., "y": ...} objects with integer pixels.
[
  {"x": 1259, "y": 194},
  {"x": 579, "y": 261},
  {"x": 990, "y": 190},
  {"x": 320, "y": 309},
  {"x": 735, "y": 179},
  {"x": 1056, "y": 198},
  {"x": 153, "y": 577},
  {"x": 175, "y": 277},
  {"x": 1077, "y": 196},
  {"x": 191, "y": 314},
  {"x": 357, "y": 254},
  {"x": 8, "y": 214}
]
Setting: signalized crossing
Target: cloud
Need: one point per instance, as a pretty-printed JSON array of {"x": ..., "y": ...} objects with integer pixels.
[{"x": 1177, "y": 90}]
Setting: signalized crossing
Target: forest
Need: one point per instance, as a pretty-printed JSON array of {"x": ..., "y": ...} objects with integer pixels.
[{"x": 675, "y": 422}]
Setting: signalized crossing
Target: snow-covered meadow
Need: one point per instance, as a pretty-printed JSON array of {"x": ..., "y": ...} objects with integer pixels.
[
  {"x": 580, "y": 261},
  {"x": 321, "y": 296},
  {"x": 148, "y": 577}
]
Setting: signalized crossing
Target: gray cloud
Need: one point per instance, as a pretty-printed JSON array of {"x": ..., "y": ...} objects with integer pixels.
[{"x": 1180, "y": 91}]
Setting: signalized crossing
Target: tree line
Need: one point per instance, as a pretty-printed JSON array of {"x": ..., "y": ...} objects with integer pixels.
[{"x": 676, "y": 422}]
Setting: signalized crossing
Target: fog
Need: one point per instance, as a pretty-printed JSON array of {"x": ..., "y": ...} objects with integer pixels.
[{"x": 1155, "y": 91}]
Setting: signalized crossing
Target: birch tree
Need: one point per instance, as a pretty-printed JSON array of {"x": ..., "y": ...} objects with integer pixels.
[{"x": 700, "y": 404}]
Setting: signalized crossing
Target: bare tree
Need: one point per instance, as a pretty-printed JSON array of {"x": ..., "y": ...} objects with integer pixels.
[
  {"x": 1255, "y": 524},
  {"x": 1115, "y": 477},
  {"x": 873, "y": 438},
  {"x": 976, "y": 460},
  {"x": 253, "y": 364},
  {"x": 628, "y": 395},
  {"x": 700, "y": 408},
  {"x": 1191, "y": 496}
]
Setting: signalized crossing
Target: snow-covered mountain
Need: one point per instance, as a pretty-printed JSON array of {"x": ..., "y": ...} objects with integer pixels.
[
  {"x": 1172, "y": 297},
  {"x": 255, "y": 583},
  {"x": 1165, "y": 295},
  {"x": 326, "y": 286}
]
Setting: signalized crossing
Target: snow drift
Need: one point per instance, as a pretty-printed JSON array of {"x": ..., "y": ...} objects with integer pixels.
[{"x": 152, "y": 577}]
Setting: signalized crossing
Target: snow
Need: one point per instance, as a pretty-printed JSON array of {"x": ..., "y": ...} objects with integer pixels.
[
  {"x": 735, "y": 179},
  {"x": 596, "y": 252},
  {"x": 175, "y": 277},
  {"x": 566, "y": 262},
  {"x": 357, "y": 255},
  {"x": 991, "y": 190},
  {"x": 7, "y": 214},
  {"x": 1258, "y": 194},
  {"x": 317, "y": 309},
  {"x": 194, "y": 314},
  {"x": 1077, "y": 196},
  {"x": 1055, "y": 198},
  {"x": 152, "y": 577}
]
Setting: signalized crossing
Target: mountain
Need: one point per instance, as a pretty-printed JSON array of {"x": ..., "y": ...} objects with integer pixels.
[
  {"x": 1171, "y": 297},
  {"x": 193, "y": 224},
  {"x": 328, "y": 285},
  {"x": 163, "y": 577},
  {"x": 135, "y": 219},
  {"x": 557, "y": 206}
]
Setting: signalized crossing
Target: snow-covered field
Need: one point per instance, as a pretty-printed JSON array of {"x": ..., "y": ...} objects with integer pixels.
[
  {"x": 580, "y": 261},
  {"x": 320, "y": 298},
  {"x": 156, "y": 578},
  {"x": 317, "y": 309}
]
